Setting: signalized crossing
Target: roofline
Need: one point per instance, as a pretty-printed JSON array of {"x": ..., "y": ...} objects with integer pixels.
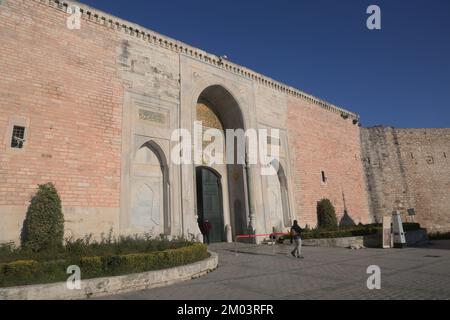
[{"x": 150, "y": 36}]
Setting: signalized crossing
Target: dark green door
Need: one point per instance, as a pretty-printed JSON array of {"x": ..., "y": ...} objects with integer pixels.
[{"x": 209, "y": 201}]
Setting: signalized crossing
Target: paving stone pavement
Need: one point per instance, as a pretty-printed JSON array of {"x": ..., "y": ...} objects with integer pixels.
[{"x": 261, "y": 273}]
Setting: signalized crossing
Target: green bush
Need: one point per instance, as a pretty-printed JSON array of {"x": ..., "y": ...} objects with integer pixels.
[
  {"x": 326, "y": 215},
  {"x": 44, "y": 224},
  {"x": 411, "y": 226},
  {"x": 344, "y": 233},
  {"x": 353, "y": 231},
  {"x": 341, "y": 232},
  {"x": 25, "y": 272},
  {"x": 136, "y": 263},
  {"x": 86, "y": 247},
  {"x": 20, "y": 269},
  {"x": 439, "y": 236}
]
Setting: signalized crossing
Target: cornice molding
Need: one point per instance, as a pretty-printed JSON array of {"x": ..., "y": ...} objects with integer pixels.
[{"x": 152, "y": 37}]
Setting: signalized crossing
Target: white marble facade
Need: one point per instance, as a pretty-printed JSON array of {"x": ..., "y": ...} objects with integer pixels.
[{"x": 161, "y": 197}]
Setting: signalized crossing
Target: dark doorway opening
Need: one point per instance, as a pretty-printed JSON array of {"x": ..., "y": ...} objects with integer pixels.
[{"x": 209, "y": 202}]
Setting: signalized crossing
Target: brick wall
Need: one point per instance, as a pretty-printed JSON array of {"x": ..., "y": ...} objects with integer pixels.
[
  {"x": 62, "y": 85},
  {"x": 411, "y": 166},
  {"x": 323, "y": 141}
]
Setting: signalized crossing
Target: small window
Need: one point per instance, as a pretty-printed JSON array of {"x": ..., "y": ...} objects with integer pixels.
[
  {"x": 18, "y": 137},
  {"x": 324, "y": 177}
]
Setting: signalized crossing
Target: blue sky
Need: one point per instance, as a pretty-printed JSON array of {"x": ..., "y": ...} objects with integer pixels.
[{"x": 398, "y": 76}]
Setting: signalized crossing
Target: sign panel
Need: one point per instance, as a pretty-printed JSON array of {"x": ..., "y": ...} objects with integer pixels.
[{"x": 152, "y": 116}]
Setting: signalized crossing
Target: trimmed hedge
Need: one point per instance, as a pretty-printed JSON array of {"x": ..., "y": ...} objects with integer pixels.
[
  {"x": 411, "y": 226},
  {"x": 26, "y": 272},
  {"x": 439, "y": 236},
  {"x": 355, "y": 231},
  {"x": 74, "y": 249},
  {"x": 136, "y": 263}
]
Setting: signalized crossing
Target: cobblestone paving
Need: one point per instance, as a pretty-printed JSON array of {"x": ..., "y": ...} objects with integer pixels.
[{"x": 259, "y": 273}]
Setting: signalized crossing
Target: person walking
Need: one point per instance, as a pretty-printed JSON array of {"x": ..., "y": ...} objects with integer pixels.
[{"x": 296, "y": 235}]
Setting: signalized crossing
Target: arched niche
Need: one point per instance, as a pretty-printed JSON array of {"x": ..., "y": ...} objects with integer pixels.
[
  {"x": 277, "y": 198},
  {"x": 150, "y": 205}
]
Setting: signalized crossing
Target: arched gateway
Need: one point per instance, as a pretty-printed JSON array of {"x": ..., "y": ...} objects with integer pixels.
[
  {"x": 119, "y": 140},
  {"x": 216, "y": 108}
]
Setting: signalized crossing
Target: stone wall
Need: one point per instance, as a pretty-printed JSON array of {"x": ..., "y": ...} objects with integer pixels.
[{"x": 411, "y": 166}]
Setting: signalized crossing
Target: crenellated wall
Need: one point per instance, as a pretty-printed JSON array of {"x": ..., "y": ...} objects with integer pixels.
[{"x": 92, "y": 99}]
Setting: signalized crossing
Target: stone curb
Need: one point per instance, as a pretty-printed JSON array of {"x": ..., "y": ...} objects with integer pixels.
[{"x": 113, "y": 285}]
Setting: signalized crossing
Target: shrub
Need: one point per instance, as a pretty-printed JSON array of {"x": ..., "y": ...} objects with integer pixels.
[
  {"x": 20, "y": 269},
  {"x": 142, "y": 262},
  {"x": 44, "y": 223},
  {"x": 410, "y": 226},
  {"x": 343, "y": 233},
  {"x": 25, "y": 272},
  {"x": 7, "y": 248},
  {"x": 439, "y": 236},
  {"x": 326, "y": 215},
  {"x": 87, "y": 247},
  {"x": 354, "y": 231}
]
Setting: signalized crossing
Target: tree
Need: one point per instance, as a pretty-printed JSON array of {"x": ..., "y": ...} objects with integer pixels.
[
  {"x": 44, "y": 223},
  {"x": 326, "y": 215}
]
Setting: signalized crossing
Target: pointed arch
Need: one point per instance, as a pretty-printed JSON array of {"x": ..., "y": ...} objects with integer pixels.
[
  {"x": 284, "y": 191},
  {"x": 223, "y": 104},
  {"x": 162, "y": 160}
]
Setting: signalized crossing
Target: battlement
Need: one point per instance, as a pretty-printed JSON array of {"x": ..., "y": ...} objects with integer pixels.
[{"x": 109, "y": 21}]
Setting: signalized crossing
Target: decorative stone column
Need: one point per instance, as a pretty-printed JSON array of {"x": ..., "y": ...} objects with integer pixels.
[{"x": 251, "y": 208}]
